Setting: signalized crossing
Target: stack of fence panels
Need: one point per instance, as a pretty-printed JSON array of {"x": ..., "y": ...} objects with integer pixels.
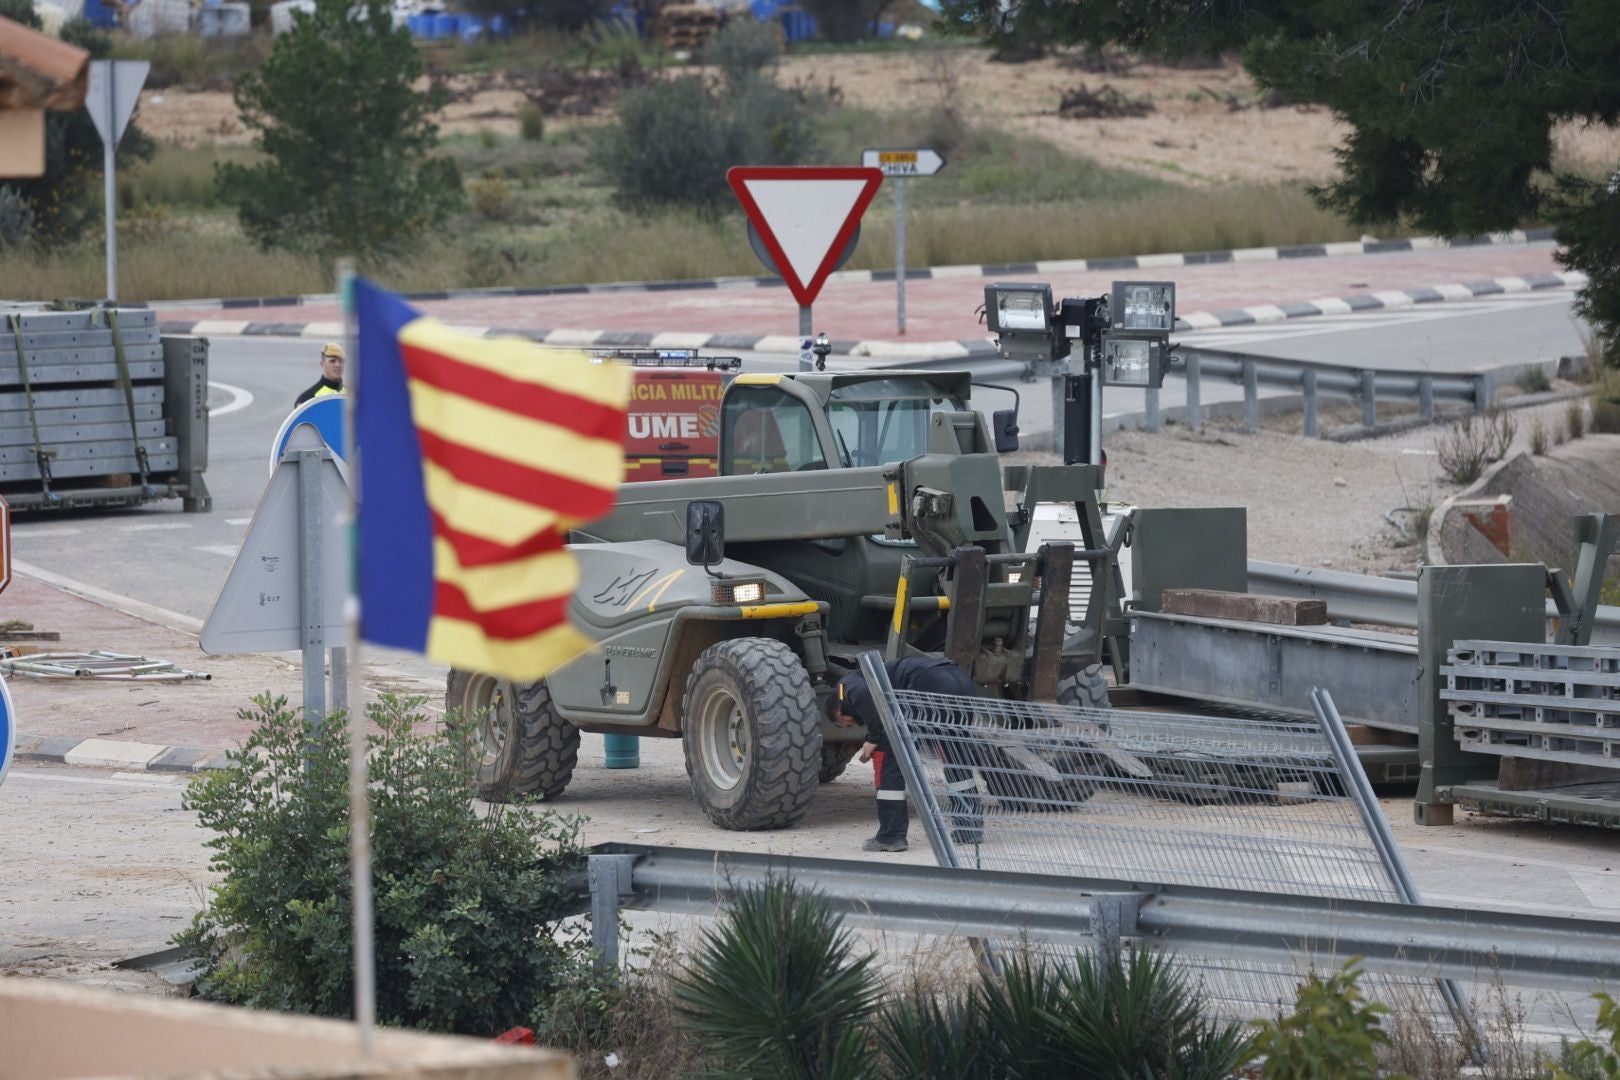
[
  {"x": 87, "y": 426},
  {"x": 1547, "y": 702}
]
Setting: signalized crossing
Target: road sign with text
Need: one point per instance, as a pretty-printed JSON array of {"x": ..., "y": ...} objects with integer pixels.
[
  {"x": 805, "y": 216},
  {"x": 920, "y": 162}
]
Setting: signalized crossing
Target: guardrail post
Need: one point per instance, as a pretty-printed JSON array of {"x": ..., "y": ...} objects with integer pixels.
[
  {"x": 1426, "y": 396},
  {"x": 1113, "y": 918},
  {"x": 1151, "y": 420},
  {"x": 1195, "y": 412},
  {"x": 1307, "y": 383},
  {"x": 1369, "y": 398},
  {"x": 1483, "y": 391},
  {"x": 1251, "y": 397},
  {"x": 609, "y": 878}
]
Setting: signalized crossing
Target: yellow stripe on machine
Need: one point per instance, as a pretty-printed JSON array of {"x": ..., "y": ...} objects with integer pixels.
[
  {"x": 779, "y": 611},
  {"x": 757, "y": 379},
  {"x": 899, "y": 601},
  {"x": 894, "y": 499}
]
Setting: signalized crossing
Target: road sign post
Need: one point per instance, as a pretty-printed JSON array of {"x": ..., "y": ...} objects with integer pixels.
[
  {"x": 898, "y": 165},
  {"x": 5, "y": 544},
  {"x": 806, "y": 220},
  {"x": 110, "y": 99}
]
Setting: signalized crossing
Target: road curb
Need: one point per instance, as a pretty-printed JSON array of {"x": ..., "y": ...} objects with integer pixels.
[
  {"x": 1049, "y": 266},
  {"x": 114, "y": 754},
  {"x": 904, "y": 353}
]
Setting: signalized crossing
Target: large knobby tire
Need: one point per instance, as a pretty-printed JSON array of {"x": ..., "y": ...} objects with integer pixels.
[
  {"x": 520, "y": 747},
  {"x": 835, "y": 758},
  {"x": 751, "y": 734}
]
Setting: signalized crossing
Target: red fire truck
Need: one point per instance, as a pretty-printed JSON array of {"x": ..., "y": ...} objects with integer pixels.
[{"x": 674, "y": 412}]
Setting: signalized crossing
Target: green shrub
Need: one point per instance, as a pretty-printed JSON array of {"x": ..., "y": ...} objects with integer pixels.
[
  {"x": 1469, "y": 445},
  {"x": 1575, "y": 418},
  {"x": 1332, "y": 1034},
  {"x": 1539, "y": 439},
  {"x": 777, "y": 990},
  {"x": 675, "y": 140},
  {"x": 1605, "y": 400},
  {"x": 1598, "y": 1059},
  {"x": 1533, "y": 380},
  {"x": 531, "y": 123},
  {"x": 493, "y": 200},
  {"x": 468, "y": 905},
  {"x": 16, "y": 218}
]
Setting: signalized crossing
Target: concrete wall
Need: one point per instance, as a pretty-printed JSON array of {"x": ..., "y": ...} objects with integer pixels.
[{"x": 51, "y": 1031}]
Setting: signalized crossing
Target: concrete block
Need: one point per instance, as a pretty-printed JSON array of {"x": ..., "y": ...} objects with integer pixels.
[
  {"x": 111, "y": 753},
  {"x": 51, "y": 748},
  {"x": 1492, "y": 518},
  {"x": 187, "y": 759},
  {"x": 1245, "y": 607}
]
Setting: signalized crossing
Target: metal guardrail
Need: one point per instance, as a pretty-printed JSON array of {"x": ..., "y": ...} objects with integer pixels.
[
  {"x": 1364, "y": 598},
  {"x": 1552, "y": 952}
]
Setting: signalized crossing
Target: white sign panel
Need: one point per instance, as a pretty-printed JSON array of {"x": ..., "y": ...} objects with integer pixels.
[
  {"x": 806, "y": 216},
  {"x": 260, "y": 609},
  {"x": 920, "y": 162},
  {"x": 115, "y": 85}
]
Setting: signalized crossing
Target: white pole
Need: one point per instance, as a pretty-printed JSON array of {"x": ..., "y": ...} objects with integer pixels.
[
  {"x": 365, "y": 963},
  {"x": 109, "y": 157}
]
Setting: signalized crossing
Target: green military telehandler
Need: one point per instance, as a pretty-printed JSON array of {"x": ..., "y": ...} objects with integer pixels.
[{"x": 852, "y": 512}]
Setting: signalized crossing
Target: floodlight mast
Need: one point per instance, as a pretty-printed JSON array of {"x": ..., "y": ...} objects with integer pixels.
[{"x": 1124, "y": 340}]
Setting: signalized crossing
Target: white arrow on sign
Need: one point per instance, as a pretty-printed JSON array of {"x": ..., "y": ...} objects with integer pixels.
[
  {"x": 115, "y": 86},
  {"x": 919, "y": 162}
]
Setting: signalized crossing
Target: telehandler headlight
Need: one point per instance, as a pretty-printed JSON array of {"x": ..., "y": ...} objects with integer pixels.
[
  {"x": 738, "y": 593},
  {"x": 1132, "y": 361},
  {"x": 1143, "y": 306}
]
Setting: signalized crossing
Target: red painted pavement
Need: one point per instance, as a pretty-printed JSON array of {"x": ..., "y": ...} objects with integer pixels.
[{"x": 942, "y": 309}]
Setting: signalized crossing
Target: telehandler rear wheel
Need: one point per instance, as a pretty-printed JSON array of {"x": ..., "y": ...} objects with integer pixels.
[
  {"x": 835, "y": 757},
  {"x": 519, "y": 746},
  {"x": 751, "y": 734},
  {"x": 1070, "y": 781}
]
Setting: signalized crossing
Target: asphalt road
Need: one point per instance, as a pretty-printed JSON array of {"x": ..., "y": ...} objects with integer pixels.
[{"x": 176, "y": 561}]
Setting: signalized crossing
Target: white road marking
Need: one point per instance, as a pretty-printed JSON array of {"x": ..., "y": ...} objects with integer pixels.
[
  {"x": 122, "y": 779},
  {"x": 218, "y": 549},
  {"x": 23, "y": 531},
  {"x": 240, "y": 399},
  {"x": 238, "y": 521},
  {"x": 155, "y": 526}
]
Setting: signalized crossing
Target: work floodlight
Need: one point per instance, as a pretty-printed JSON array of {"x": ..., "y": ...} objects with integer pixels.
[
  {"x": 1143, "y": 306},
  {"x": 1132, "y": 361},
  {"x": 1021, "y": 318}
]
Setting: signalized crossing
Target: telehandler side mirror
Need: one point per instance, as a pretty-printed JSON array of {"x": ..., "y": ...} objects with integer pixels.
[
  {"x": 705, "y": 532},
  {"x": 1004, "y": 426}
]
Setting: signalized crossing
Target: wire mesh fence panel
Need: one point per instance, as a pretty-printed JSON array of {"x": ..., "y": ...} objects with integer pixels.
[{"x": 1232, "y": 802}]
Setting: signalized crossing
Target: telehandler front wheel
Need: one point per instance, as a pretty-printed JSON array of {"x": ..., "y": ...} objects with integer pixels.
[
  {"x": 517, "y": 744},
  {"x": 751, "y": 734}
]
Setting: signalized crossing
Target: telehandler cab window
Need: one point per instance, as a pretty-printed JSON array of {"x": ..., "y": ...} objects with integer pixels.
[
  {"x": 884, "y": 421},
  {"x": 764, "y": 430}
]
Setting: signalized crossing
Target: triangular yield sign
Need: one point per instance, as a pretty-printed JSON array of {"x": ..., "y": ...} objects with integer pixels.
[{"x": 805, "y": 215}]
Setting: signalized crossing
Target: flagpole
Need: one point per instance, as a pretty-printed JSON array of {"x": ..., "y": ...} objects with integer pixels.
[{"x": 365, "y": 966}]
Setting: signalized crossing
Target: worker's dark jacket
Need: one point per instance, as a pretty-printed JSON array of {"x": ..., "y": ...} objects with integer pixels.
[
  {"x": 925, "y": 674},
  {"x": 322, "y": 386}
]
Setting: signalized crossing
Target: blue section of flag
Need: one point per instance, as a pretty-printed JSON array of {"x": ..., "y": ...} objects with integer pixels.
[{"x": 396, "y": 529}]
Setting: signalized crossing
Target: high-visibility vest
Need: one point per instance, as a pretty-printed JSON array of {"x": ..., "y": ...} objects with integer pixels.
[{"x": 323, "y": 391}]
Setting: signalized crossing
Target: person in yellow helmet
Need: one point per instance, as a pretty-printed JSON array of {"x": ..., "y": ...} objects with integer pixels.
[{"x": 331, "y": 380}]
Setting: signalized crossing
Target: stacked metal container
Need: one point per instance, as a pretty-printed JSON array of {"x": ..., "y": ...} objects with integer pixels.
[{"x": 96, "y": 409}]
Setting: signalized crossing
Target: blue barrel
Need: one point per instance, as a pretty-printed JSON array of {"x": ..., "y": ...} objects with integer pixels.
[
  {"x": 497, "y": 26},
  {"x": 472, "y": 28},
  {"x": 622, "y": 751},
  {"x": 420, "y": 26},
  {"x": 444, "y": 26}
]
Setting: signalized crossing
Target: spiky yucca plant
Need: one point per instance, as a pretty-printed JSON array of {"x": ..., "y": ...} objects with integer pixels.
[{"x": 776, "y": 989}]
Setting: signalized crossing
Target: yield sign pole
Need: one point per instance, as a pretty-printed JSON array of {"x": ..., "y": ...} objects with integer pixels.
[
  {"x": 805, "y": 216},
  {"x": 114, "y": 86}
]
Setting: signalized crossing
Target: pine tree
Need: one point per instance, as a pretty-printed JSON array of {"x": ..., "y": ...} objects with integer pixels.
[
  {"x": 347, "y": 137},
  {"x": 1452, "y": 103}
]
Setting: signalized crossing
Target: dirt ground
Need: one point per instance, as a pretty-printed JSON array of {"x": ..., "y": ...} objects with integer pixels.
[{"x": 1207, "y": 125}]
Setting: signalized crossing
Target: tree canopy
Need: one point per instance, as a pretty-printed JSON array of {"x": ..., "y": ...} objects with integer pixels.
[
  {"x": 346, "y": 134},
  {"x": 1452, "y": 104}
]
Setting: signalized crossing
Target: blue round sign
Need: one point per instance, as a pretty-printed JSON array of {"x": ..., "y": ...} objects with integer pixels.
[
  {"x": 325, "y": 414},
  {"x": 8, "y": 728}
]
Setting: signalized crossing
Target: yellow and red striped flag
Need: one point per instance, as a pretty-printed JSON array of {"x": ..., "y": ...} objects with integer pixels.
[{"x": 476, "y": 456}]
